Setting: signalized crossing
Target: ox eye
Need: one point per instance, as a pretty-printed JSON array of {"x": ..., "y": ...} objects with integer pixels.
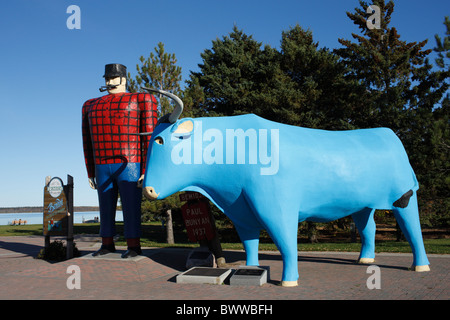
[{"x": 159, "y": 140}]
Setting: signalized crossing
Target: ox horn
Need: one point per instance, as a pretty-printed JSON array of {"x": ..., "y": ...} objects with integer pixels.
[{"x": 178, "y": 103}]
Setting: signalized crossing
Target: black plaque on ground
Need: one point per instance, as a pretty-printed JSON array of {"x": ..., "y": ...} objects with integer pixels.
[
  {"x": 249, "y": 276},
  {"x": 207, "y": 272},
  {"x": 203, "y": 275},
  {"x": 249, "y": 272}
]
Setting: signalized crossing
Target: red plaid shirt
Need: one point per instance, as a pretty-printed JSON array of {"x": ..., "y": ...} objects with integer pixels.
[{"x": 107, "y": 122}]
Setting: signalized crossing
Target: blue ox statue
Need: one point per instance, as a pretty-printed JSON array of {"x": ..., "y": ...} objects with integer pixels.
[{"x": 267, "y": 175}]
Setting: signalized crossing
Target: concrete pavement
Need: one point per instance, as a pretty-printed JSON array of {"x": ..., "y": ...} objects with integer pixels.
[{"x": 323, "y": 275}]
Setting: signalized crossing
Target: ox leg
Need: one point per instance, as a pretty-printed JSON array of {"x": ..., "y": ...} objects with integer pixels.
[
  {"x": 284, "y": 235},
  {"x": 408, "y": 219},
  {"x": 282, "y": 225},
  {"x": 365, "y": 224},
  {"x": 250, "y": 240}
]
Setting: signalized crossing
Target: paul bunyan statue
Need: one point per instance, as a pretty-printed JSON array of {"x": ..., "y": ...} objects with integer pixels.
[{"x": 115, "y": 155}]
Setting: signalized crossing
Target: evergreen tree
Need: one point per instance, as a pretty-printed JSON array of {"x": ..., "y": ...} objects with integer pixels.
[
  {"x": 315, "y": 93},
  {"x": 193, "y": 97},
  {"x": 158, "y": 71},
  {"x": 300, "y": 85},
  {"x": 443, "y": 47},
  {"x": 402, "y": 91},
  {"x": 437, "y": 163},
  {"x": 231, "y": 75},
  {"x": 387, "y": 66}
]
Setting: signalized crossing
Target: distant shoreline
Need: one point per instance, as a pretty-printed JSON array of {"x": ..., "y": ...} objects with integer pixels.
[{"x": 41, "y": 209}]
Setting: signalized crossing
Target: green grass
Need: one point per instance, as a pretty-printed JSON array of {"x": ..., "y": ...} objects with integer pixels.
[
  {"x": 27, "y": 230},
  {"x": 154, "y": 236}
]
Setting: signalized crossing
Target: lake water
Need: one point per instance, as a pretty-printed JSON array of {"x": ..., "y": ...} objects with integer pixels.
[{"x": 37, "y": 217}]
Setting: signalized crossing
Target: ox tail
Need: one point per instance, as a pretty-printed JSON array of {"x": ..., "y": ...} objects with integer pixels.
[
  {"x": 403, "y": 201},
  {"x": 416, "y": 183}
]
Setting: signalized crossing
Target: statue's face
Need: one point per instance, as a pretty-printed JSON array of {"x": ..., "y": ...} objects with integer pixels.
[{"x": 121, "y": 86}]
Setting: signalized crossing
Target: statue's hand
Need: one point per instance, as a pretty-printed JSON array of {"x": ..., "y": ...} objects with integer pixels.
[
  {"x": 92, "y": 183},
  {"x": 140, "y": 181}
]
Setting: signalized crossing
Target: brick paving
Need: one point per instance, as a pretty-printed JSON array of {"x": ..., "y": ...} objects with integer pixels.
[{"x": 330, "y": 276}]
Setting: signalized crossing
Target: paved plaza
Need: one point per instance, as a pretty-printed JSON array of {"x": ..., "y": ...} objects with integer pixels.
[{"x": 323, "y": 276}]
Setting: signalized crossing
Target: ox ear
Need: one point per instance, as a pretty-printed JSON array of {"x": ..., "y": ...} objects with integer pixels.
[{"x": 183, "y": 127}]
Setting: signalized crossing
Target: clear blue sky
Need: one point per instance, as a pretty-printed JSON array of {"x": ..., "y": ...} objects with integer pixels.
[{"x": 48, "y": 71}]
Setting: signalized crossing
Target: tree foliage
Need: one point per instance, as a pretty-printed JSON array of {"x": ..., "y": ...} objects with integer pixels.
[
  {"x": 300, "y": 85},
  {"x": 315, "y": 89},
  {"x": 158, "y": 71},
  {"x": 443, "y": 47},
  {"x": 231, "y": 73},
  {"x": 401, "y": 92}
]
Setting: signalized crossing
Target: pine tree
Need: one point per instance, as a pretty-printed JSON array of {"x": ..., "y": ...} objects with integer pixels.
[
  {"x": 231, "y": 75},
  {"x": 193, "y": 97},
  {"x": 443, "y": 47},
  {"x": 402, "y": 91},
  {"x": 299, "y": 85},
  {"x": 437, "y": 163},
  {"x": 315, "y": 90},
  {"x": 387, "y": 66},
  {"x": 158, "y": 71}
]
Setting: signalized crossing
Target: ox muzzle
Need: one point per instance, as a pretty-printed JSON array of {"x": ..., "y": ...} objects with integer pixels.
[{"x": 150, "y": 193}]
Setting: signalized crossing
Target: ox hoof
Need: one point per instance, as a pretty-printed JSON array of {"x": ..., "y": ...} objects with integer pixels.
[
  {"x": 423, "y": 268},
  {"x": 366, "y": 260},
  {"x": 289, "y": 283}
]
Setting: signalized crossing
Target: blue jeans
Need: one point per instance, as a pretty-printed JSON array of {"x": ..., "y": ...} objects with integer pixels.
[{"x": 113, "y": 179}]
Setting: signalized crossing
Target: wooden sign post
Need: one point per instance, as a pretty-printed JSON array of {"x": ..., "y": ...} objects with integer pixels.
[
  {"x": 200, "y": 224},
  {"x": 58, "y": 211},
  {"x": 197, "y": 217}
]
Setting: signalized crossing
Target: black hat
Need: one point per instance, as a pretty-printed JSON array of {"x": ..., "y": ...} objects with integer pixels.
[{"x": 115, "y": 70}]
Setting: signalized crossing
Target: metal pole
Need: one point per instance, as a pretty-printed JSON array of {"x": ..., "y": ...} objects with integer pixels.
[
  {"x": 46, "y": 242},
  {"x": 47, "y": 237},
  {"x": 69, "y": 197}
]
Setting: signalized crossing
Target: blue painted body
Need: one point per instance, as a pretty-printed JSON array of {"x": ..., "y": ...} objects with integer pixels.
[{"x": 289, "y": 174}]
